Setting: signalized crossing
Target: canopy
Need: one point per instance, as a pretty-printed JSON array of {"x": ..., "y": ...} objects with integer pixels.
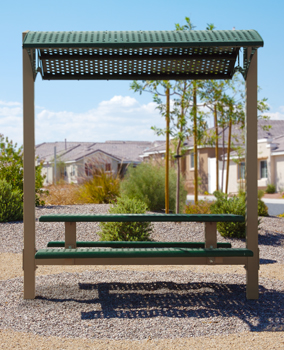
[{"x": 138, "y": 55}]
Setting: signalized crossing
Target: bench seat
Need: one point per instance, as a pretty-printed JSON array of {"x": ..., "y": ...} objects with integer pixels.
[
  {"x": 140, "y": 244},
  {"x": 142, "y": 218},
  {"x": 79, "y": 253}
]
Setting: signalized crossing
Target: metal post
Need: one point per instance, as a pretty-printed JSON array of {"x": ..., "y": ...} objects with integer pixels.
[
  {"x": 251, "y": 179},
  {"x": 195, "y": 144},
  {"x": 29, "y": 177},
  {"x": 167, "y": 153},
  {"x": 216, "y": 147}
]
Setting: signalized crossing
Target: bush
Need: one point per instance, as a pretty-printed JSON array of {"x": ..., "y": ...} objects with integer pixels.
[
  {"x": 202, "y": 207},
  {"x": 234, "y": 205},
  {"x": 126, "y": 231},
  {"x": 11, "y": 203},
  {"x": 102, "y": 188},
  {"x": 262, "y": 208},
  {"x": 147, "y": 183},
  {"x": 12, "y": 168},
  {"x": 260, "y": 194},
  {"x": 270, "y": 188},
  {"x": 61, "y": 194}
]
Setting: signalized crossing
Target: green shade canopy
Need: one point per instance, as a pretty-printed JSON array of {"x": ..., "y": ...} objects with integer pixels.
[{"x": 138, "y": 55}]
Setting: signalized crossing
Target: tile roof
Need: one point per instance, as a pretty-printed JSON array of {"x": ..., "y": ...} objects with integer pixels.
[{"x": 125, "y": 151}]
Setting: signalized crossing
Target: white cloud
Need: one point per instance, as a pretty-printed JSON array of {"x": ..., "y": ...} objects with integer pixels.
[
  {"x": 120, "y": 118},
  {"x": 279, "y": 115},
  {"x": 4, "y": 103}
]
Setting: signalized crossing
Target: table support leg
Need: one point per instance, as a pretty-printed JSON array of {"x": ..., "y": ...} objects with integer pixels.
[
  {"x": 70, "y": 235},
  {"x": 210, "y": 235}
]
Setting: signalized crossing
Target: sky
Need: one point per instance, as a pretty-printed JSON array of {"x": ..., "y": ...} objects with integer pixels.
[{"x": 97, "y": 111}]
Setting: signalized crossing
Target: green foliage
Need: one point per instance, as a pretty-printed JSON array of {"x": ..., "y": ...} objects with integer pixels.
[
  {"x": 12, "y": 168},
  {"x": 146, "y": 182},
  {"x": 270, "y": 188},
  {"x": 262, "y": 208},
  {"x": 126, "y": 231},
  {"x": 11, "y": 203},
  {"x": 102, "y": 188},
  {"x": 260, "y": 194},
  {"x": 233, "y": 205},
  {"x": 202, "y": 207},
  {"x": 280, "y": 215}
]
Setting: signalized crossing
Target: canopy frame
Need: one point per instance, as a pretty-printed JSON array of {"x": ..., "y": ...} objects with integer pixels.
[{"x": 200, "y": 52}]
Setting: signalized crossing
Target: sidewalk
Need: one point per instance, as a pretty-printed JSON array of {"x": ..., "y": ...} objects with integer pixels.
[{"x": 275, "y": 206}]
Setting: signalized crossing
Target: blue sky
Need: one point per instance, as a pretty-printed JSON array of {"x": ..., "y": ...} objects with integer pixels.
[{"x": 98, "y": 110}]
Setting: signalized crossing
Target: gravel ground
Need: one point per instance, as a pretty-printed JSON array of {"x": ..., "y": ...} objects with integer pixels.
[{"x": 127, "y": 304}]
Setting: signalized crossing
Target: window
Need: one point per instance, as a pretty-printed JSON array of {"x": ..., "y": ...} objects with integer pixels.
[
  {"x": 192, "y": 160},
  {"x": 241, "y": 167},
  {"x": 72, "y": 170},
  {"x": 108, "y": 167},
  {"x": 89, "y": 169},
  {"x": 263, "y": 169}
]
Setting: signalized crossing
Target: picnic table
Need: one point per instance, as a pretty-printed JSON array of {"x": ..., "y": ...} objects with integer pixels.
[{"x": 76, "y": 252}]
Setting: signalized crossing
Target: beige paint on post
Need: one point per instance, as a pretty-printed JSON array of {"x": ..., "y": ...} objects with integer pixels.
[{"x": 29, "y": 177}]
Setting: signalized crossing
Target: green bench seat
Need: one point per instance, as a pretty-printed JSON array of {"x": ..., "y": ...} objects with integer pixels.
[
  {"x": 78, "y": 253},
  {"x": 121, "y": 244},
  {"x": 142, "y": 218}
]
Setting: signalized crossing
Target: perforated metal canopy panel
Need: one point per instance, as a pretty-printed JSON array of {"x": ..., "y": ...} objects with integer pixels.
[{"x": 140, "y": 55}]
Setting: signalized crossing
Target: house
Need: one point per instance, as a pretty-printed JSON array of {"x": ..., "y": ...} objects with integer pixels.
[
  {"x": 270, "y": 158},
  {"x": 76, "y": 161}
]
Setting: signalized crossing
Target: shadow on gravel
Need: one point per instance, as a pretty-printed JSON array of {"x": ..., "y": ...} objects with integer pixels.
[
  {"x": 267, "y": 261},
  {"x": 274, "y": 239},
  {"x": 168, "y": 299}
]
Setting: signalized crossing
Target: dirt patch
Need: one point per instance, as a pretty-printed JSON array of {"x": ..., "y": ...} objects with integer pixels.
[{"x": 264, "y": 340}]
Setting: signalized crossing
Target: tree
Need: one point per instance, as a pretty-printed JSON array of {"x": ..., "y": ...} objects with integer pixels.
[{"x": 12, "y": 168}]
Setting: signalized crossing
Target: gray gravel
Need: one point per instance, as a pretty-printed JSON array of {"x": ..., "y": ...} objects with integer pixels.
[{"x": 124, "y": 304}]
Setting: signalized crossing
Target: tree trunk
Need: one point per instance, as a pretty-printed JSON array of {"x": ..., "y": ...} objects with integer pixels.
[
  {"x": 178, "y": 177},
  {"x": 223, "y": 160},
  {"x": 228, "y": 155},
  {"x": 178, "y": 155},
  {"x": 216, "y": 148}
]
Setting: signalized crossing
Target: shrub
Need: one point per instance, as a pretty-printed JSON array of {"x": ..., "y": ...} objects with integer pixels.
[
  {"x": 11, "y": 203},
  {"x": 234, "y": 205},
  {"x": 102, "y": 188},
  {"x": 260, "y": 194},
  {"x": 202, "y": 207},
  {"x": 281, "y": 215},
  {"x": 126, "y": 231},
  {"x": 12, "y": 168},
  {"x": 270, "y": 188},
  {"x": 147, "y": 183},
  {"x": 262, "y": 208},
  {"x": 61, "y": 194}
]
